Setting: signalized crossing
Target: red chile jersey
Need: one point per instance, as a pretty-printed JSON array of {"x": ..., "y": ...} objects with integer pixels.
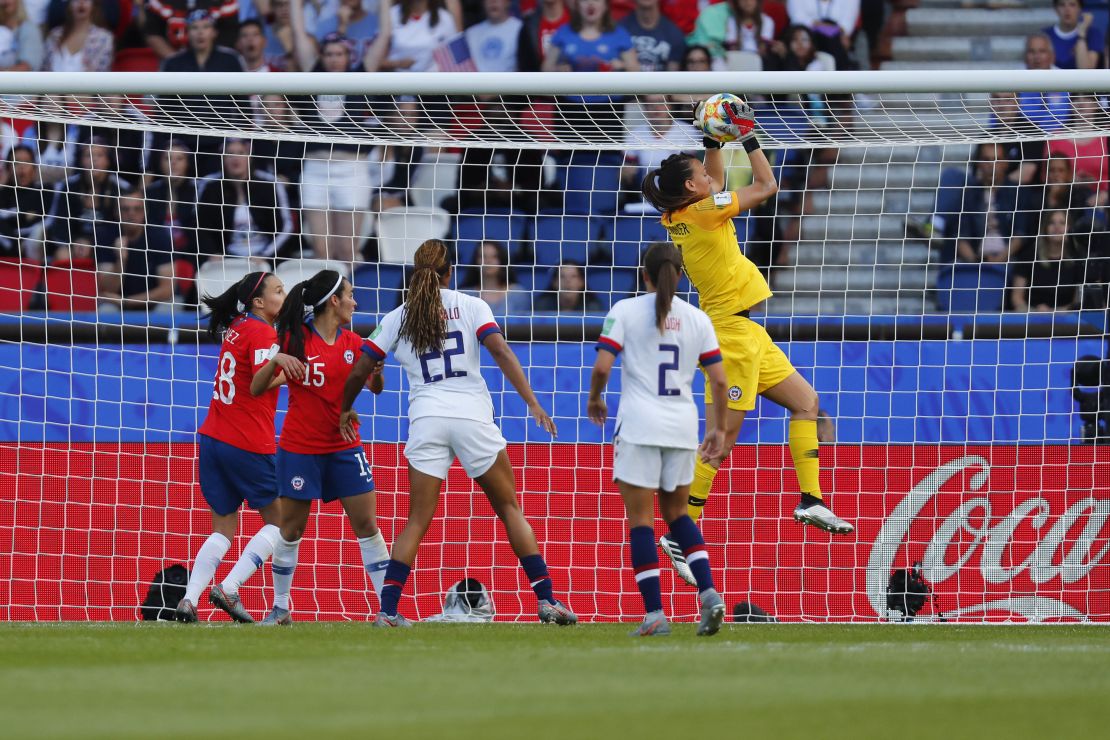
[
  {"x": 234, "y": 415},
  {"x": 312, "y": 422}
]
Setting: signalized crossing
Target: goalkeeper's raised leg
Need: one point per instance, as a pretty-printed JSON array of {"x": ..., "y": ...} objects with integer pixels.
[{"x": 698, "y": 215}]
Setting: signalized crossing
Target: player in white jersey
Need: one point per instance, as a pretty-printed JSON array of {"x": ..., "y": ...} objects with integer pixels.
[
  {"x": 662, "y": 339},
  {"x": 437, "y": 337}
]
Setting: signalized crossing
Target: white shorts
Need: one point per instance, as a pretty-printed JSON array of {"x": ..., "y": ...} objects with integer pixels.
[
  {"x": 648, "y": 466},
  {"x": 435, "y": 442},
  {"x": 335, "y": 184}
]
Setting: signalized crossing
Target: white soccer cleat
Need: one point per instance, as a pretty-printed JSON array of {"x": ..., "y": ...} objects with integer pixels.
[
  {"x": 678, "y": 560},
  {"x": 822, "y": 517}
]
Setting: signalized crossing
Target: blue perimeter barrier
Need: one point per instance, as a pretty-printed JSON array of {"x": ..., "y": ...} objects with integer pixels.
[{"x": 974, "y": 391}]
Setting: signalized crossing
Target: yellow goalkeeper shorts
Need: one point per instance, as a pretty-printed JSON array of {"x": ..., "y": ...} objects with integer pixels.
[{"x": 753, "y": 363}]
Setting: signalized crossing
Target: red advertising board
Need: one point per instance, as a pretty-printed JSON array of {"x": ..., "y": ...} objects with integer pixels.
[{"x": 1002, "y": 532}]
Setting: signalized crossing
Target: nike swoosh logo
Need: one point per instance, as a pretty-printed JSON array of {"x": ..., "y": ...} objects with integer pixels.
[{"x": 312, "y": 357}]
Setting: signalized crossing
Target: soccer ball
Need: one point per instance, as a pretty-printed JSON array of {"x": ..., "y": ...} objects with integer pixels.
[{"x": 713, "y": 118}]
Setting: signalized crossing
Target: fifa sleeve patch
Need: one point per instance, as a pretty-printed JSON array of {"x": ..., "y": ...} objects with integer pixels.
[
  {"x": 722, "y": 200},
  {"x": 712, "y": 357},
  {"x": 485, "y": 330},
  {"x": 607, "y": 344},
  {"x": 262, "y": 356},
  {"x": 372, "y": 350}
]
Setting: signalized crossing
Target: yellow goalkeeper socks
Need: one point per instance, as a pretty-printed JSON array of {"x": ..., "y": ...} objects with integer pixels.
[
  {"x": 704, "y": 473},
  {"x": 803, "y": 448}
]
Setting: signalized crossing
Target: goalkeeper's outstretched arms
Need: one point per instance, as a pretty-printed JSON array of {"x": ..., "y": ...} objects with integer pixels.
[{"x": 742, "y": 126}]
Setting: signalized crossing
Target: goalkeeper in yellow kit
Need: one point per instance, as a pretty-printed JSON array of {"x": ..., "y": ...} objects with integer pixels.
[{"x": 698, "y": 218}]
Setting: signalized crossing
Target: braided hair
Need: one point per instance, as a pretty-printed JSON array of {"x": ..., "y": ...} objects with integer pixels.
[{"x": 423, "y": 322}]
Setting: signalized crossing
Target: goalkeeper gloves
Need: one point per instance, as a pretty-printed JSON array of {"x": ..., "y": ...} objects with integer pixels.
[{"x": 740, "y": 124}]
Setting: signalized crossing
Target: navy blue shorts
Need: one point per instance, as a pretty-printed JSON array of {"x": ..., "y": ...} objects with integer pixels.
[
  {"x": 326, "y": 477},
  {"x": 229, "y": 476}
]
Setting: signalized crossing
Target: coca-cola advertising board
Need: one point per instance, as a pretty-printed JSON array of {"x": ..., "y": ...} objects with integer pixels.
[{"x": 1002, "y": 533}]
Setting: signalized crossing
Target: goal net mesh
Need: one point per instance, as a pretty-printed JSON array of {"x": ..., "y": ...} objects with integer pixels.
[{"x": 939, "y": 266}]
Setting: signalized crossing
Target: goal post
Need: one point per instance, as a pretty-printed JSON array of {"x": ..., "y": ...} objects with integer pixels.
[{"x": 938, "y": 251}]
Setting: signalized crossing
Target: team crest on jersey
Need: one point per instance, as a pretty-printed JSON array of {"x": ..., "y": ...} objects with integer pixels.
[
  {"x": 349, "y": 357},
  {"x": 734, "y": 393},
  {"x": 297, "y": 482}
]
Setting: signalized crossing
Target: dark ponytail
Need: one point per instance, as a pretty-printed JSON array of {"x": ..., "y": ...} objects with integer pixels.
[
  {"x": 232, "y": 302},
  {"x": 290, "y": 321},
  {"x": 423, "y": 323},
  {"x": 663, "y": 265},
  {"x": 665, "y": 186}
]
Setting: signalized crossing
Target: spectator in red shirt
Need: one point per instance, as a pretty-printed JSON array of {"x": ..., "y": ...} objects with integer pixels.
[
  {"x": 166, "y": 29},
  {"x": 535, "y": 37}
]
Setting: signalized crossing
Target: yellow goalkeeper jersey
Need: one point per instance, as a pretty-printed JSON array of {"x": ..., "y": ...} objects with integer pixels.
[{"x": 727, "y": 282}]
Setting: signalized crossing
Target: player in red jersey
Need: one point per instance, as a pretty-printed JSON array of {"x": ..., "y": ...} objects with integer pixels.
[
  {"x": 236, "y": 441},
  {"x": 314, "y": 461}
]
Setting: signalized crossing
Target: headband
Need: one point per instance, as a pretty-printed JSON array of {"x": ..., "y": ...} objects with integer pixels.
[
  {"x": 242, "y": 306},
  {"x": 330, "y": 293},
  {"x": 308, "y": 310}
]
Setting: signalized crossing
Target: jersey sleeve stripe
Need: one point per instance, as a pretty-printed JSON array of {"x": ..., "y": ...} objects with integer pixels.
[
  {"x": 486, "y": 329},
  {"x": 607, "y": 344},
  {"x": 710, "y": 358},
  {"x": 369, "y": 348}
]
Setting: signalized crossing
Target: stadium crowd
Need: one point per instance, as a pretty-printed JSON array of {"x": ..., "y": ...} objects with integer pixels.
[{"x": 69, "y": 194}]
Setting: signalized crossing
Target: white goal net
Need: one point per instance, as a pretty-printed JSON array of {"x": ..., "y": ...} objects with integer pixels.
[{"x": 938, "y": 251}]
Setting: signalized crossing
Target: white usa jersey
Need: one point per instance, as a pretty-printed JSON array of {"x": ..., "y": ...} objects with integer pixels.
[
  {"x": 445, "y": 382},
  {"x": 657, "y": 405}
]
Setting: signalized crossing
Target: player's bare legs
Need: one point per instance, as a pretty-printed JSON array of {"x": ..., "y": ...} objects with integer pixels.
[
  {"x": 706, "y": 471},
  {"x": 797, "y": 396},
  {"x": 639, "y": 503},
  {"x": 500, "y": 488},
  {"x": 687, "y": 538},
  {"x": 294, "y": 518},
  {"x": 424, "y": 493},
  {"x": 225, "y": 595},
  {"x": 499, "y": 485},
  {"x": 361, "y": 513}
]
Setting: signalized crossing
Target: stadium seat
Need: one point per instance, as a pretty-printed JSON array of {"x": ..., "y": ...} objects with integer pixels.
[
  {"x": 435, "y": 180},
  {"x": 402, "y": 230},
  {"x": 18, "y": 280},
  {"x": 216, "y": 276},
  {"x": 500, "y": 226},
  {"x": 971, "y": 288},
  {"x": 592, "y": 182},
  {"x": 378, "y": 289},
  {"x": 292, "y": 272},
  {"x": 632, "y": 235},
  {"x": 564, "y": 238},
  {"x": 71, "y": 286},
  {"x": 611, "y": 283}
]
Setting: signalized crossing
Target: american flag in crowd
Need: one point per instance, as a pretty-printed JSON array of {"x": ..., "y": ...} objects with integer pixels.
[{"x": 454, "y": 56}]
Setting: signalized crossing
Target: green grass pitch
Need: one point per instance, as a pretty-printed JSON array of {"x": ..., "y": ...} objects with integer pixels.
[{"x": 529, "y": 681}]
